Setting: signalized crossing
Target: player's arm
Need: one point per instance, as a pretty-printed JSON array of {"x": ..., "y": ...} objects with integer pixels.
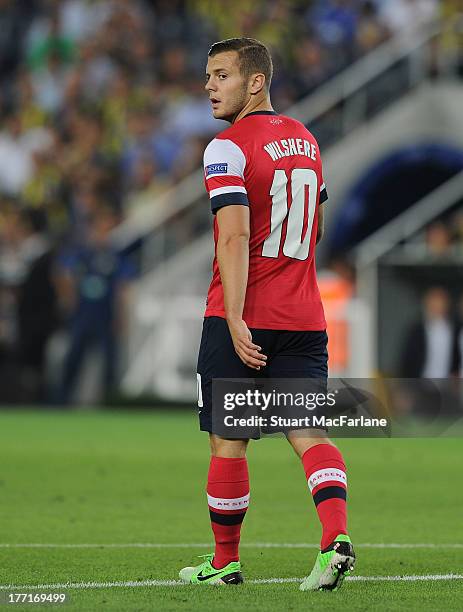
[
  {"x": 233, "y": 261},
  {"x": 224, "y": 164}
]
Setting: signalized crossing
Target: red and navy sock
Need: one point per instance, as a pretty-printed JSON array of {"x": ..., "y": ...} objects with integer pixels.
[
  {"x": 326, "y": 476},
  {"x": 228, "y": 500}
]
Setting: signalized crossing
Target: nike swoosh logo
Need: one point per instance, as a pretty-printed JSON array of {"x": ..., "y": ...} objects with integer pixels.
[{"x": 201, "y": 577}]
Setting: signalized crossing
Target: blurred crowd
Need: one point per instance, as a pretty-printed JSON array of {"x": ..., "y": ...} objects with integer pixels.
[
  {"x": 102, "y": 108},
  {"x": 102, "y": 101}
]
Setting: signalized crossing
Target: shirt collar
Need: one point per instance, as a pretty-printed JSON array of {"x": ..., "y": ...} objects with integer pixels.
[{"x": 261, "y": 112}]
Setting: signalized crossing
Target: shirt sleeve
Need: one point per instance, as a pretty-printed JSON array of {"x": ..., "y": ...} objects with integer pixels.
[{"x": 224, "y": 164}]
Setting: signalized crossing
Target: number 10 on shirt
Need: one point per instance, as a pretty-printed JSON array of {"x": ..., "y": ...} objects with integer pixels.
[{"x": 294, "y": 245}]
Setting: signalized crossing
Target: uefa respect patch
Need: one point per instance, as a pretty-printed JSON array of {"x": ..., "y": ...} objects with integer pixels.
[{"x": 217, "y": 169}]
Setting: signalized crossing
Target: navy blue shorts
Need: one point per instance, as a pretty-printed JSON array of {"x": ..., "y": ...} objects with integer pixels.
[{"x": 290, "y": 354}]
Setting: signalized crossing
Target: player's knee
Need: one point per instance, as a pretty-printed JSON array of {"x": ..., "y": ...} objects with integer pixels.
[
  {"x": 221, "y": 447},
  {"x": 302, "y": 442}
]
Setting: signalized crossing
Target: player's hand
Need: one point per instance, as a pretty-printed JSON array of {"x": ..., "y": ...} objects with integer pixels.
[{"x": 249, "y": 353}]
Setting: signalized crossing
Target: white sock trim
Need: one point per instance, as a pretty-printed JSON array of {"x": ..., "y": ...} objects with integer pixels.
[
  {"x": 223, "y": 503},
  {"x": 325, "y": 475}
]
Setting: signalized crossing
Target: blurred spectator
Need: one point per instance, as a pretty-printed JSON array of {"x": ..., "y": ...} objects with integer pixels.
[
  {"x": 31, "y": 114},
  {"x": 443, "y": 237},
  {"x": 400, "y": 15},
  {"x": 94, "y": 284},
  {"x": 15, "y": 156},
  {"x": 438, "y": 239},
  {"x": 430, "y": 346},
  {"x": 309, "y": 69},
  {"x": 50, "y": 82},
  {"x": 46, "y": 40},
  {"x": 13, "y": 22},
  {"x": 452, "y": 39},
  {"x": 146, "y": 185},
  {"x": 146, "y": 139},
  {"x": 335, "y": 22},
  {"x": 370, "y": 31},
  {"x": 456, "y": 223},
  {"x": 189, "y": 115},
  {"x": 94, "y": 72},
  {"x": 36, "y": 303},
  {"x": 80, "y": 19}
]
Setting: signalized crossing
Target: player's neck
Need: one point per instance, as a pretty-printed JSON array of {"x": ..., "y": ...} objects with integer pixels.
[{"x": 253, "y": 107}]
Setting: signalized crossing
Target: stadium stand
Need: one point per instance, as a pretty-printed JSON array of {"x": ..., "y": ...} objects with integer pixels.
[{"x": 102, "y": 107}]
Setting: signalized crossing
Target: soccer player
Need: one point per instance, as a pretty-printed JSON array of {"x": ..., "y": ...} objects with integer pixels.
[{"x": 264, "y": 316}]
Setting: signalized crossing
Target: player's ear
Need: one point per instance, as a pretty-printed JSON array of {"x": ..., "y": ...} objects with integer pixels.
[{"x": 257, "y": 83}]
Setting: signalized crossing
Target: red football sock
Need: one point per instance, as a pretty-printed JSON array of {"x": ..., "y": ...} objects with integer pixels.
[
  {"x": 326, "y": 476},
  {"x": 228, "y": 499}
]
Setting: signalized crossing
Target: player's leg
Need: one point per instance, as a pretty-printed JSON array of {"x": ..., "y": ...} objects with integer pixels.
[
  {"x": 227, "y": 496},
  {"x": 304, "y": 355},
  {"x": 228, "y": 500},
  {"x": 228, "y": 479},
  {"x": 325, "y": 472}
]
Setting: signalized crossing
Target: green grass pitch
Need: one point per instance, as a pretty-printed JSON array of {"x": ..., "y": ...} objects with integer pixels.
[{"x": 110, "y": 479}]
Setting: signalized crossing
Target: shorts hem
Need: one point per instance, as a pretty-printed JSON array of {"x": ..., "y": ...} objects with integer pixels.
[{"x": 287, "y": 326}]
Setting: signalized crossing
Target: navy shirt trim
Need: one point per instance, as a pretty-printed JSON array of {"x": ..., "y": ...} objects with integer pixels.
[{"x": 228, "y": 199}]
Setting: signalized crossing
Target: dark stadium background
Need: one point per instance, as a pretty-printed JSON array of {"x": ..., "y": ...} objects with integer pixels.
[{"x": 105, "y": 257}]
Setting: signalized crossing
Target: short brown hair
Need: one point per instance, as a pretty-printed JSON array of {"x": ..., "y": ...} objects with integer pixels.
[{"x": 253, "y": 56}]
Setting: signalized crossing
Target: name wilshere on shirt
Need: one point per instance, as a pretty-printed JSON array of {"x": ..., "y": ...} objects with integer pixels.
[{"x": 291, "y": 146}]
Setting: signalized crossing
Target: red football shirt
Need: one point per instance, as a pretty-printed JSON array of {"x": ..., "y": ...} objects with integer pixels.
[{"x": 272, "y": 164}]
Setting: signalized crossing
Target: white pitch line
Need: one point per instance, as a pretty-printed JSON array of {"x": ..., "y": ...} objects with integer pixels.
[
  {"x": 161, "y": 545},
  {"x": 157, "y": 583}
]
